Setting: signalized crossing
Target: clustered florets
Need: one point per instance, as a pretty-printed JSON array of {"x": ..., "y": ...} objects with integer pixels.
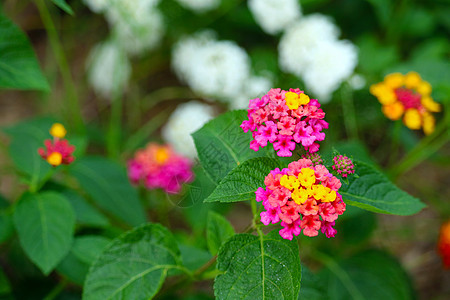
[
  {"x": 57, "y": 151},
  {"x": 444, "y": 244},
  {"x": 343, "y": 165},
  {"x": 285, "y": 118},
  {"x": 159, "y": 166},
  {"x": 304, "y": 197}
]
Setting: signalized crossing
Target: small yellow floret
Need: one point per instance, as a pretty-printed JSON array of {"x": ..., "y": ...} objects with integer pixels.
[
  {"x": 412, "y": 119},
  {"x": 394, "y": 80},
  {"x": 393, "y": 111},
  {"x": 161, "y": 155},
  {"x": 412, "y": 80},
  {"x": 292, "y": 100},
  {"x": 330, "y": 195},
  {"x": 424, "y": 88},
  {"x": 303, "y": 99},
  {"x": 430, "y": 105},
  {"x": 428, "y": 123},
  {"x": 289, "y": 182},
  {"x": 300, "y": 195},
  {"x": 58, "y": 131},
  {"x": 318, "y": 191},
  {"x": 306, "y": 177},
  {"x": 384, "y": 93},
  {"x": 55, "y": 159}
]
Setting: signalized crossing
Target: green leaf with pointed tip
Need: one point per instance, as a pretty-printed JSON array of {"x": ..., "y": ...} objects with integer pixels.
[
  {"x": 134, "y": 265},
  {"x": 371, "y": 274},
  {"x": 84, "y": 251},
  {"x": 19, "y": 68},
  {"x": 86, "y": 214},
  {"x": 218, "y": 230},
  {"x": 242, "y": 182},
  {"x": 64, "y": 6},
  {"x": 45, "y": 224},
  {"x": 258, "y": 267},
  {"x": 313, "y": 288},
  {"x": 222, "y": 145},
  {"x": 374, "y": 192},
  {"x": 108, "y": 185}
]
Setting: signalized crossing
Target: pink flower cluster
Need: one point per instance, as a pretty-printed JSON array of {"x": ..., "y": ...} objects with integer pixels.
[
  {"x": 304, "y": 197},
  {"x": 285, "y": 118},
  {"x": 343, "y": 165},
  {"x": 314, "y": 157},
  {"x": 159, "y": 166},
  {"x": 59, "y": 147}
]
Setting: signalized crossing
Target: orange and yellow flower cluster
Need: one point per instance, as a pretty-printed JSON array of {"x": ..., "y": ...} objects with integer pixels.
[
  {"x": 57, "y": 151},
  {"x": 408, "y": 96}
]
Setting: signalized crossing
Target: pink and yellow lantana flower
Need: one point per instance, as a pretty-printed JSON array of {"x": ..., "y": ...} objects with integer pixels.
[
  {"x": 57, "y": 151},
  {"x": 285, "y": 118},
  {"x": 408, "y": 96},
  {"x": 158, "y": 166},
  {"x": 302, "y": 196}
]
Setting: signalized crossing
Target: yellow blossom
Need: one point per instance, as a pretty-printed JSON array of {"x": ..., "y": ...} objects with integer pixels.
[
  {"x": 394, "y": 80},
  {"x": 393, "y": 111},
  {"x": 55, "y": 159},
  {"x": 58, "y": 131},
  {"x": 161, "y": 155},
  {"x": 290, "y": 182},
  {"x": 412, "y": 119},
  {"x": 430, "y": 105},
  {"x": 300, "y": 195},
  {"x": 412, "y": 80},
  {"x": 306, "y": 177}
]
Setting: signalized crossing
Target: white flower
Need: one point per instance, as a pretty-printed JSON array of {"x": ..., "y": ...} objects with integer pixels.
[
  {"x": 333, "y": 62},
  {"x": 357, "y": 82},
  {"x": 137, "y": 25},
  {"x": 200, "y": 6},
  {"x": 108, "y": 69},
  {"x": 310, "y": 49},
  {"x": 274, "y": 15},
  {"x": 97, "y": 6},
  {"x": 185, "y": 120},
  {"x": 255, "y": 87},
  {"x": 211, "y": 68}
]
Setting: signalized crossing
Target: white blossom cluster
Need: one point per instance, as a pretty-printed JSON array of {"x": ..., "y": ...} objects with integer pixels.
[
  {"x": 199, "y": 6},
  {"x": 311, "y": 50},
  {"x": 185, "y": 120},
  {"x": 274, "y": 15},
  {"x": 137, "y": 26},
  {"x": 217, "y": 69},
  {"x": 108, "y": 68}
]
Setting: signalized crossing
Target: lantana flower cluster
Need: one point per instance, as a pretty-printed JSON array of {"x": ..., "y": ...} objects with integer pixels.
[
  {"x": 285, "y": 118},
  {"x": 408, "y": 96},
  {"x": 444, "y": 244},
  {"x": 158, "y": 166},
  {"x": 343, "y": 165},
  {"x": 57, "y": 151},
  {"x": 303, "y": 197}
]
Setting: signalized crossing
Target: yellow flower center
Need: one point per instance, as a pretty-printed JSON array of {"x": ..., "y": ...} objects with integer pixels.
[
  {"x": 161, "y": 155},
  {"x": 58, "y": 131},
  {"x": 293, "y": 100},
  {"x": 55, "y": 159}
]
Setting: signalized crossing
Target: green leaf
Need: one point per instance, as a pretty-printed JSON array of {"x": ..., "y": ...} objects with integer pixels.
[
  {"x": 371, "y": 274},
  {"x": 374, "y": 192},
  {"x": 242, "y": 182},
  {"x": 64, "y": 6},
  {"x": 45, "y": 224},
  {"x": 19, "y": 68},
  {"x": 313, "y": 288},
  {"x": 222, "y": 145},
  {"x": 108, "y": 185},
  {"x": 258, "y": 267},
  {"x": 85, "y": 250},
  {"x": 134, "y": 265},
  {"x": 5, "y": 287},
  {"x": 6, "y": 226},
  {"x": 217, "y": 232},
  {"x": 193, "y": 257},
  {"x": 85, "y": 213},
  {"x": 374, "y": 57},
  {"x": 26, "y": 138}
]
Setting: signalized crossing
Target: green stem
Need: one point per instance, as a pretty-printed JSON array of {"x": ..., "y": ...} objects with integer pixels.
[
  {"x": 395, "y": 143},
  {"x": 348, "y": 109},
  {"x": 331, "y": 264},
  {"x": 74, "y": 111},
  {"x": 56, "y": 290},
  {"x": 115, "y": 124}
]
